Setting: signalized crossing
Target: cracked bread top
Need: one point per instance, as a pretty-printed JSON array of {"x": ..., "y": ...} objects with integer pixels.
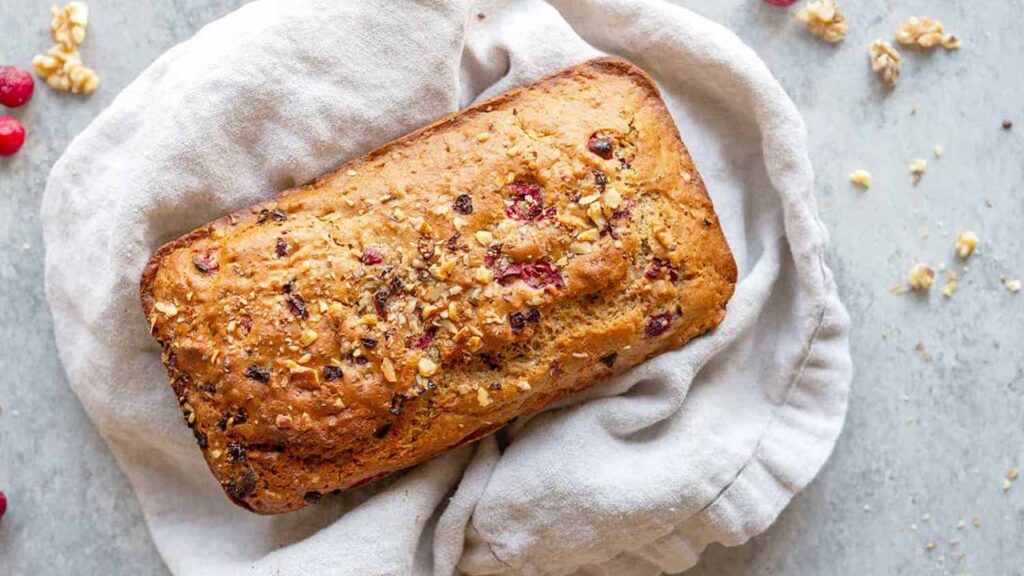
[{"x": 424, "y": 295}]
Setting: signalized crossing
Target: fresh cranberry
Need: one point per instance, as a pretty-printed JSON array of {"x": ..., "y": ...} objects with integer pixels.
[
  {"x": 657, "y": 325},
  {"x": 372, "y": 256},
  {"x": 16, "y": 86},
  {"x": 781, "y": 2},
  {"x": 600, "y": 144},
  {"x": 527, "y": 202},
  {"x": 12, "y": 136},
  {"x": 536, "y": 274},
  {"x": 3, "y": 503}
]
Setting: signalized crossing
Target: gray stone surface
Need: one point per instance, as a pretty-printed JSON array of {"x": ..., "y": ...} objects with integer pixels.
[{"x": 929, "y": 436}]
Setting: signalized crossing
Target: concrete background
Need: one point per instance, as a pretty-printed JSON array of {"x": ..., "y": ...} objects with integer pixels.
[{"x": 930, "y": 435}]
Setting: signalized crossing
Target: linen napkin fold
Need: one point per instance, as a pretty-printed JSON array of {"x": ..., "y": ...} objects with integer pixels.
[{"x": 634, "y": 477}]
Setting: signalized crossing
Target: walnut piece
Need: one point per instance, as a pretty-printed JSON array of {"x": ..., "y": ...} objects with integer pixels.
[
  {"x": 825, "y": 19},
  {"x": 926, "y": 33},
  {"x": 885, "y": 61},
  {"x": 966, "y": 242},
  {"x": 62, "y": 65},
  {"x": 861, "y": 178},
  {"x": 917, "y": 169},
  {"x": 921, "y": 277},
  {"x": 1012, "y": 284},
  {"x": 951, "y": 282}
]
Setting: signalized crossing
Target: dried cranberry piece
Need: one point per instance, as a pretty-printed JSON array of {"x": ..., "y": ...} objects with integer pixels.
[
  {"x": 600, "y": 180},
  {"x": 453, "y": 242},
  {"x": 257, "y": 373},
  {"x": 243, "y": 486},
  {"x": 380, "y": 302},
  {"x": 490, "y": 361},
  {"x": 372, "y": 255},
  {"x": 332, "y": 373},
  {"x": 600, "y": 144},
  {"x": 536, "y": 274},
  {"x": 281, "y": 248},
  {"x": 201, "y": 439},
  {"x": 236, "y": 452},
  {"x": 463, "y": 204},
  {"x": 368, "y": 342},
  {"x": 426, "y": 340},
  {"x": 205, "y": 263},
  {"x": 382, "y": 431},
  {"x": 241, "y": 416},
  {"x": 397, "y": 403},
  {"x": 659, "y": 266},
  {"x": 426, "y": 247},
  {"x": 396, "y": 285},
  {"x": 492, "y": 254},
  {"x": 278, "y": 215},
  {"x": 658, "y": 324},
  {"x": 265, "y": 214},
  {"x": 246, "y": 323},
  {"x": 533, "y": 315},
  {"x": 312, "y": 497},
  {"x": 494, "y": 385},
  {"x": 297, "y": 305},
  {"x": 517, "y": 321},
  {"x": 360, "y": 360},
  {"x": 555, "y": 367},
  {"x": 288, "y": 286},
  {"x": 609, "y": 359},
  {"x": 527, "y": 202}
]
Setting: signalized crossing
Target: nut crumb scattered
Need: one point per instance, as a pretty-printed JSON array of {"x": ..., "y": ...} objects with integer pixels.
[
  {"x": 966, "y": 242},
  {"x": 825, "y": 19},
  {"x": 861, "y": 177},
  {"x": 885, "y": 61},
  {"x": 1012, "y": 284},
  {"x": 1013, "y": 474},
  {"x": 949, "y": 287},
  {"x": 938, "y": 150},
  {"x": 976, "y": 521},
  {"x": 927, "y": 358},
  {"x": 921, "y": 277},
  {"x": 926, "y": 33},
  {"x": 917, "y": 169},
  {"x": 930, "y": 545}
]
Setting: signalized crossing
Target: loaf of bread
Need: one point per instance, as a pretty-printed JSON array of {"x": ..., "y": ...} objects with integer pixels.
[{"x": 426, "y": 294}]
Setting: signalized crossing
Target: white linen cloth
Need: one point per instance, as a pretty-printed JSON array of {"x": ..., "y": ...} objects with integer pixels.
[{"x": 706, "y": 443}]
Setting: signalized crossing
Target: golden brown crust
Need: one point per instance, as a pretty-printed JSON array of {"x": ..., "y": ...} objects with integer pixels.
[{"x": 424, "y": 295}]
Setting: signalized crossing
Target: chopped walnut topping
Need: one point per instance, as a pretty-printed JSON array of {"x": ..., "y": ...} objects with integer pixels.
[
  {"x": 523, "y": 385},
  {"x": 484, "y": 275},
  {"x": 926, "y": 33},
  {"x": 1012, "y": 284},
  {"x": 949, "y": 288},
  {"x": 308, "y": 337},
  {"x": 484, "y": 237},
  {"x": 388, "y": 369},
  {"x": 483, "y": 397},
  {"x": 861, "y": 178},
  {"x": 966, "y": 242},
  {"x": 283, "y": 421},
  {"x": 917, "y": 169},
  {"x": 921, "y": 277},
  {"x": 612, "y": 199},
  {"x": 885, "y": 61},
  {"x": 166, "y": 308},
  {"x": 426, "y": 367},
  {"x": 62, "y": 65},
  {"x": 824, "y": 18}
]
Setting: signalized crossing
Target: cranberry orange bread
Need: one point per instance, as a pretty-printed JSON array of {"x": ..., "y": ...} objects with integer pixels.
[{"x": 424, "y": 295}]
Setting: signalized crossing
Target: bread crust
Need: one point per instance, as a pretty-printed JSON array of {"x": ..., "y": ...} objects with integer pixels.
[{"x": 363, "y": 323}]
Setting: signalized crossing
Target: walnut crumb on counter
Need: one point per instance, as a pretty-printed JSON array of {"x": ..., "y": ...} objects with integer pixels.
[
  {"x": 926, "y": 33},
  {"x": 824, "y": 18},
  {"x": 949, "y": 287},
  {"x": 921, "y": 277},
  {"x": 885, "y": 61},
  {"x": 1012, "y": 284},
  {"x": 917, "y": 169},
  {"x": 861, "y": 177},
  {"x": 966, "y": 242}
]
